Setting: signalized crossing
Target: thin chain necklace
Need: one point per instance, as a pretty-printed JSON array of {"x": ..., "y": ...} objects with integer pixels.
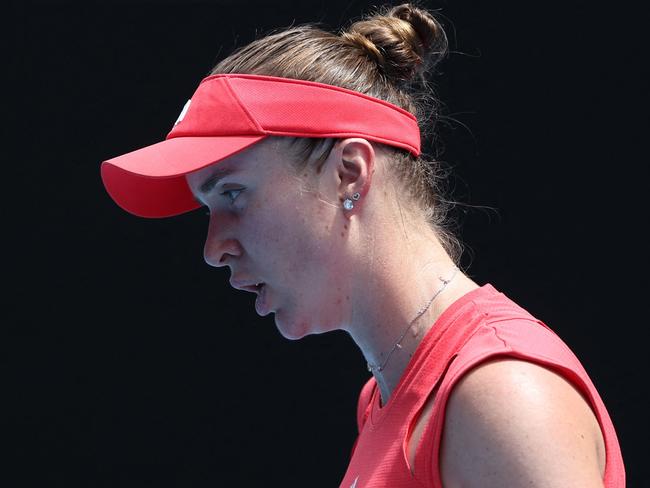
[{"x": 371, "y": 367}]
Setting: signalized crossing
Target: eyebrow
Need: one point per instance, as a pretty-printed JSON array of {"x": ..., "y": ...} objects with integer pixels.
[{"x": 213, "y": 179}]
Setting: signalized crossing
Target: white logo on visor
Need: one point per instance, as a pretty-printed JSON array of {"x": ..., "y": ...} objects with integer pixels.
[{"x": 183, "y": 112}]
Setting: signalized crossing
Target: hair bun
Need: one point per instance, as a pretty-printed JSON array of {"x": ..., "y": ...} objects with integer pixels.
[{"x": 404, "y": 40}]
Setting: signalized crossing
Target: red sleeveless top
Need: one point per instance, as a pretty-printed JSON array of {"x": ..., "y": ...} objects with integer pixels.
[{"x": 481, "y": 324}]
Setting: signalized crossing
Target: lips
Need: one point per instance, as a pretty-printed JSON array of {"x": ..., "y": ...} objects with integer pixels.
[
  {"x": 262, "y": 305},
  {"x": 248, "y": 285}
]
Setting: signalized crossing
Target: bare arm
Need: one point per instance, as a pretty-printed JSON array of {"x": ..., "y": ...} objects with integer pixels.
[{"x": 516, "y": 424}]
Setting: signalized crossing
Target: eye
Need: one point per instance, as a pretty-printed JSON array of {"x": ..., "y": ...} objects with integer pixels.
[{"x": 229, "y": 193}]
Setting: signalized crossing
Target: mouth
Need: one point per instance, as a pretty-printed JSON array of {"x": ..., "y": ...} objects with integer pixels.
[
  {"x": 254, "y": 288},
  {"x": 262, "y": 306}
]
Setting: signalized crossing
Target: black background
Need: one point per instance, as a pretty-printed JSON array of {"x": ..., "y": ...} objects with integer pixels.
[{"x": 130, "y": 362}]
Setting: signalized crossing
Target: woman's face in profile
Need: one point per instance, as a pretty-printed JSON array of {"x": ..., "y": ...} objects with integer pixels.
[{"x": 268, "y": 225}]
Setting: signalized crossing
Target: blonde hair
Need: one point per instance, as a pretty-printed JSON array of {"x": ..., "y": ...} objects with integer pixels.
[{"x": 387, "y": 55}]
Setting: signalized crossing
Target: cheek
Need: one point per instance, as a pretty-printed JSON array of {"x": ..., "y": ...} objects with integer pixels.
[
  {"x": 315, "y": 262},
  {"x": 279, "y": 236},
  {"x": 298, "y": 243},
  {"x": 302, "y": 250},
  {"x": 292, "y": 223}
]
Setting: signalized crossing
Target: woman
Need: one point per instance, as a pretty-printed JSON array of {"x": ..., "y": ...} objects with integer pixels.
[{"x": 305, "y": 147}]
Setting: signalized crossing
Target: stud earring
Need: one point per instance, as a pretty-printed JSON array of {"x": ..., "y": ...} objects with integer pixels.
[{"x": 348, "y": 204}]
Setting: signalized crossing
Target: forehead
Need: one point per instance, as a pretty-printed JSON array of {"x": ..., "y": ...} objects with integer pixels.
[
  {"x": 257, "y": 161},
  {"x": 221, "y": 169}
]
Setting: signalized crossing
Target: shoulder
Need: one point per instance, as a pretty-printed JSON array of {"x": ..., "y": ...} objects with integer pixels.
[{"x": 515, "y": 423}]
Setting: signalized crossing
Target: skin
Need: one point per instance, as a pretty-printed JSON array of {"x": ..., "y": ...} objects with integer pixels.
[
  {"x": 513, "y": 423},
  {"x": 368, "y": 271}
]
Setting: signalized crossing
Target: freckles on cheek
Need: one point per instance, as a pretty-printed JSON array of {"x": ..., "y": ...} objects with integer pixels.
[{"x": 291, "y": 236}]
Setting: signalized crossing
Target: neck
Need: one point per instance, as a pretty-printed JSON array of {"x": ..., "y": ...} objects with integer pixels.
[{"x": 391, "y": 295}]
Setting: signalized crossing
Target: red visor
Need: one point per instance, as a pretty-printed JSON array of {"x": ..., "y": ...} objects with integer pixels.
[{"x": 228, "y": 113}]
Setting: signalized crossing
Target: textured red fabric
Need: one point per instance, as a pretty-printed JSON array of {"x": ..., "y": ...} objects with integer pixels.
[{"x": 482, "y": 324}]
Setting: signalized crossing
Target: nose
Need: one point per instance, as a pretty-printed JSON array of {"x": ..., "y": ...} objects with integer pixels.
[{"x": 220, "y": 245}]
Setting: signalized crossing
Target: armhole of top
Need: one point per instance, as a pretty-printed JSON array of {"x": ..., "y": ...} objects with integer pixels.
[
  {"x": 363, "y": 404},
  {"x": 363, "y": 409},
  {"x": 422, "y": 442}
]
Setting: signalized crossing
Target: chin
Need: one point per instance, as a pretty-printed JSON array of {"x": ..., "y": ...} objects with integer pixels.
[
  {"x": 292, "y": 330},
  {"x": 295, "y": 330}
]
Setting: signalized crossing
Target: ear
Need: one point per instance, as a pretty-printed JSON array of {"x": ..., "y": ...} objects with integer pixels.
[{"x": 355, "y": 164}]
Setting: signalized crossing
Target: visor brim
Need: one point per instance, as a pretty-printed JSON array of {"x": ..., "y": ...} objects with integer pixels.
[{"x": 150, "y": 182}]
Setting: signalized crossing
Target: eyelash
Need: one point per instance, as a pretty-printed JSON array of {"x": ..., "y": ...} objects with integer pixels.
[{"x": 232, "y": 200}]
